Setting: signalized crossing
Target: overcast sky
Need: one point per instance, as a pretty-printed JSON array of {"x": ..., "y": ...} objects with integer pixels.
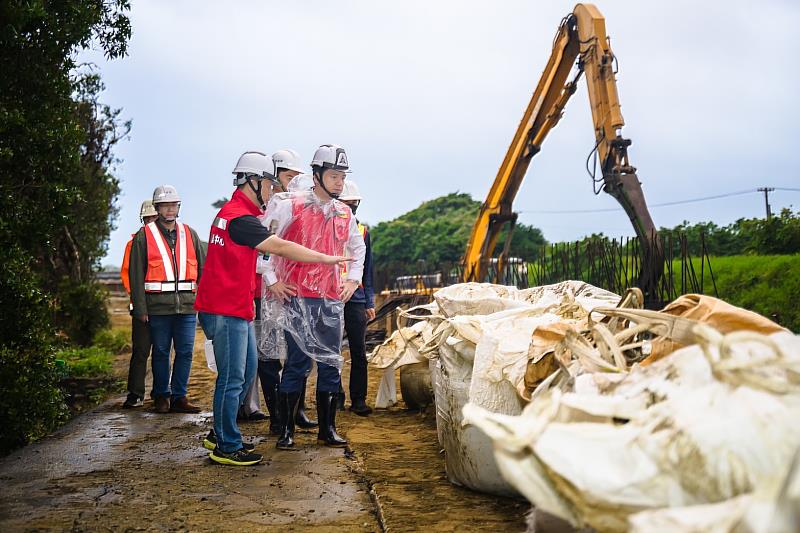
[{"x": 425, "y": 97}]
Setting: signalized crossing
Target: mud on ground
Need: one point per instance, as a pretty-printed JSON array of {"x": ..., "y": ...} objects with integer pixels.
[{"x": 129, "y": 470}]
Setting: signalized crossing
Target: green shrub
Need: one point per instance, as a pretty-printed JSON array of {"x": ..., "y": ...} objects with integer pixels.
[
  {"x": 31, "y": 404},
  {"x": 82, "y": 310},
  {"x": 114, "y": 340},
  {"x": 94, "y": 361}
]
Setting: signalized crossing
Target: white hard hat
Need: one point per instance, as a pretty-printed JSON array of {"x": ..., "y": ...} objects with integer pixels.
[
  {"x": 331, "y": 156},
  {"x": 288, "y": 159},
  {"x": 164, "y": 194},
  {"x": 147, "y": 209},
  {"x": 252, "y": 164},
  {"x": 350, "y": 191}
]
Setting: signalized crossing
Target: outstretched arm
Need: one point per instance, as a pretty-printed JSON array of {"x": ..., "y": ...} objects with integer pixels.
[{"x": 274, "y": 245}]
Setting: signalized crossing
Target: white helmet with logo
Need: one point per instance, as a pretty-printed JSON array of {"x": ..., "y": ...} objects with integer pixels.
[
  {"x": 350, "y": 193},
  {"x": 252, "y": 165},
  {"x": 147, "y": 209},
  {"x": 331, "y": 156},
  {"x": 164, "y": 194},
  {"x": 287, "y": 159}
]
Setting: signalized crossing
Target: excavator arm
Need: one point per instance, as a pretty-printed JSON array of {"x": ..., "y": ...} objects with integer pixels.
[{"x": 581, "y": 38}]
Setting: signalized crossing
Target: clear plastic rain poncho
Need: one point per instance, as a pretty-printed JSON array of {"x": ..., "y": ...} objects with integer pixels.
[{"x": 313, "y": 319}]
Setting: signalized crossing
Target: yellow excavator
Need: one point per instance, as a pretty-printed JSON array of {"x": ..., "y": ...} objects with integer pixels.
[{"x": 581, "y": 40}]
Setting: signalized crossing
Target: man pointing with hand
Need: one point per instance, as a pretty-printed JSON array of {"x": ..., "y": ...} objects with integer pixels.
[{"x": 226, "y": 292}]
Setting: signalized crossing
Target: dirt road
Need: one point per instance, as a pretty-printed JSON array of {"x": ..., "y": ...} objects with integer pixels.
[{"x": 120, "y": 470}]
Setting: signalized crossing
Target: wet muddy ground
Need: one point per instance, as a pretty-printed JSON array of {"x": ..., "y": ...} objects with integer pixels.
[{"x": 129, "y": 470}]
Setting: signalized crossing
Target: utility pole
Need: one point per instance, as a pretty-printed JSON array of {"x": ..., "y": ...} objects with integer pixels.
[{"x": 766, "y": 191}]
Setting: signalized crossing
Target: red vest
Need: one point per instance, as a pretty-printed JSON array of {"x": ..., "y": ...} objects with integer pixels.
[
  {"x": 168, "y": 271},
  {"x": 228, "y": 284},
  {"x": 329, "y": 236}
]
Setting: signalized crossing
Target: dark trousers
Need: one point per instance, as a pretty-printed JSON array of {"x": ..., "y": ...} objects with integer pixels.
[
  {"x": 320, "y": 322},
  {"x": 355, "y": 324},
  {"x": 140, "y": 351},
  {"x": 298, "y": 367}
]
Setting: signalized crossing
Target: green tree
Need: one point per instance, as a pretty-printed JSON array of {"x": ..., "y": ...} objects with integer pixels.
[
  {"x": 435, "y": 234},
  {"x": 56, "y": 193}
]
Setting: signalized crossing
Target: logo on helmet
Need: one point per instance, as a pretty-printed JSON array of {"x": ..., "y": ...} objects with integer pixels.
[{"x": 341, "y": 161}]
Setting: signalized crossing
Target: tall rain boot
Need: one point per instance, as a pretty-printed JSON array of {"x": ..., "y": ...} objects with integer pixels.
[
  {"x": 340, "y": 399},
  {"x": 301, "y": 419},
  {"x": 326, "y": 410},
  {"x": 287, "y": 407},
  {"x": 273, "y": 408}
]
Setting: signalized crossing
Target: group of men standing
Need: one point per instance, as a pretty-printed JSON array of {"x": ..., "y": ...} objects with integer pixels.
[{"x": 317, "y": 280}]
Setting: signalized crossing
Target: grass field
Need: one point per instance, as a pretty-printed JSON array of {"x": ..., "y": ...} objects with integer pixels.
[{"x": 766, "y": 284}]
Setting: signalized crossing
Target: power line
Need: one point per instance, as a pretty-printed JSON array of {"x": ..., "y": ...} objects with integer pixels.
[{"x": 663, "y": 204}]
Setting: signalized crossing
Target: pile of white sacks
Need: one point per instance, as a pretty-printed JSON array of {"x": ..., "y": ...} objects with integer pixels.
[{"x": 609, "y": 416}]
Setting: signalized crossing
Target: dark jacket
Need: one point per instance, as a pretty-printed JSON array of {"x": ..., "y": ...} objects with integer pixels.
[{"x": 160, "y": 303}]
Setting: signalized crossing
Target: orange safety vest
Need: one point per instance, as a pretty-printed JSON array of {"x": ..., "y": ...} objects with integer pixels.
[
  {"x": 161, "y": 269},
  {"x": 362, "y": 229},
  {"x": 126, "y": 265}
]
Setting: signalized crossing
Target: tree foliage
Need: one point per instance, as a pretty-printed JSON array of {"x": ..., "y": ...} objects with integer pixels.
[
  {"x": 436, "y": 233},
  {"x": 57, "y": 194},
  {"x": 777, "y": 235}
]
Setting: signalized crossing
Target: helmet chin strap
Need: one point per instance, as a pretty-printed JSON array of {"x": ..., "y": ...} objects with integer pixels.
[
  {"x": 318, "y": 176},
  {"x": 257, "y": 191}
]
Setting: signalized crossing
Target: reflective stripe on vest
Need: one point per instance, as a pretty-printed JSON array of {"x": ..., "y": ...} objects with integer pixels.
[
  {"x": 160, "y": 275},
  {"x": 154, "y": 286}
]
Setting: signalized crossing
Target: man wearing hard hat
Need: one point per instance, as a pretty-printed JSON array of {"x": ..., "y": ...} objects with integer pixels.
[
  {"x": 226, "y": 294},
  {"x": 166, "y": 265},
  {"x": 286, "y": 164},
  {"x": 140, "y": 331},
  {"x": 358, "y": 311},
  {"x": 312, "y": 297}
]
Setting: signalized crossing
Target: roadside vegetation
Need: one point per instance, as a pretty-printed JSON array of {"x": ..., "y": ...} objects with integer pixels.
[
  {"x": 58, "y": 198},
  {"x": 766, "y": 284}
]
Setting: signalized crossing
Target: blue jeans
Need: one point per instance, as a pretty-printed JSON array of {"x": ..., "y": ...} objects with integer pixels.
[
  {"x": 235, "y": 352},
  {"x": 167, "y": 331}
]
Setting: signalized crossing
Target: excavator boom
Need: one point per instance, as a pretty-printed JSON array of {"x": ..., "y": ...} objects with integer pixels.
[{"x": 581, "y": 38}]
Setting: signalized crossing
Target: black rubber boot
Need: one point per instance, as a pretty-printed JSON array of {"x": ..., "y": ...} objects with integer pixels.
[
  {"x": 287, "y": 403},
  {"x": 273, "y": 407},
  {"x": 340, "y": 399},
  {"x": 326, "y": 410},
  {"x": 301, "y": 419}
]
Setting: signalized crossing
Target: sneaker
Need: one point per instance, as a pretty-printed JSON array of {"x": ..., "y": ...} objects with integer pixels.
[
  {"x": 132, "y": 401},
  {"x": 240, "y": 457},
  {"x": 210, "y": 442}
]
